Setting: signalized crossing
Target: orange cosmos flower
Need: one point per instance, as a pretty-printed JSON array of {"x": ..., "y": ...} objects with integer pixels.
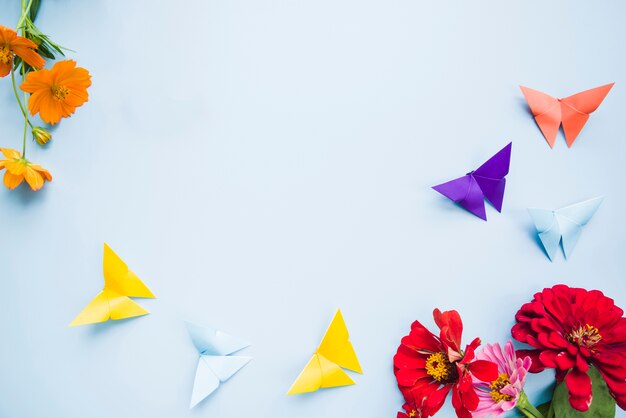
[
  {"x": 56, "y": 93},
  {"x": 11, "y": 45},
  {"x": 20, "y": 169}
]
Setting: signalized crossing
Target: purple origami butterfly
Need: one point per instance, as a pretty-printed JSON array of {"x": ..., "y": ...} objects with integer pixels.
[{"x": 486, "y": 182}]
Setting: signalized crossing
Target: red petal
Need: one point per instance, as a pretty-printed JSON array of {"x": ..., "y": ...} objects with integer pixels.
[
  {"x": 451, "y": 327},
  {"x": 579, "y": 386},
  {"x": 564, "y": 361},
  {"x": 484, "y": 370},
  {"x": 436, "y": 399}
]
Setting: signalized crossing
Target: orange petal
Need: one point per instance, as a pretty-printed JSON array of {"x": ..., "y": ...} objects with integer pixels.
[
  {"x": 63, "y": 70},
  {"x": 30, "y": 56},
  {"x": 33, "y": 178},
  {"x": 15, "y": 167},
  {"x": 35, "y": 100},
  {"x": 5, "y": 69},
  {"x": 7, "y": 34},
  {"x": 77, "y": 98},
  {"x": 45, "y": 173},
  {"x": 12, "y": 181},
  {"x": 37, "y": 80},
  {"x": 10, "y": 153},
  {"x": 51, "y": 110}
]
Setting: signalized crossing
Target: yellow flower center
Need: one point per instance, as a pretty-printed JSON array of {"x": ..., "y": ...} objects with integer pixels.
[
  {"x": 585, "y": 336},
  {"x": 6, "y": 55},
  {"x": 60, "y": 92},
  {"x": 413, "y": 413},
  {"x": 439, "y": 368},
  {"x": 497, "y": 385}
]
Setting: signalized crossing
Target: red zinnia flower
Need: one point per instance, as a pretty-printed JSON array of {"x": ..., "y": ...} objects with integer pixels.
[
  {"x": 570, "y": 329},
  {"x": 427, "y": 367}
]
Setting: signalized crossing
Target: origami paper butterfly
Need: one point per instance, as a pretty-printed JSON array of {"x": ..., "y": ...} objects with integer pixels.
[
  {"x": 114, "y": 301},
  {"x": 324, "y": 368},
  {"x": 486, "y": 182},
  {"x": 572, "y": 111},
  {"x": 563, "y": 225},
  {"x": 215, "y": 364}
]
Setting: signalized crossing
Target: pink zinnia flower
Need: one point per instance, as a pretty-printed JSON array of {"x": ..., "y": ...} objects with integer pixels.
[{"x": 502, "y": 394}]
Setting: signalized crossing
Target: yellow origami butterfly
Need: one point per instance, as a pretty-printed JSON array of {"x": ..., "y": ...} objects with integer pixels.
[
  {"x": 324, "y": 369},
  {"x": 114, "y": 301}
]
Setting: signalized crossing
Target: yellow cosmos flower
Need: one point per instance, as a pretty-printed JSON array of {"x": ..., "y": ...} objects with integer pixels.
[{"x": 20, "y": 169}]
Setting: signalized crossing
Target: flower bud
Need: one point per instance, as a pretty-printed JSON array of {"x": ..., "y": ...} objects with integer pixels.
[{"x": 41, "y": 135}]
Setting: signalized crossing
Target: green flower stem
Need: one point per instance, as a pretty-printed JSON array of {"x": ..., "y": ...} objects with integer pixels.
[
  {"x": 26, "y": 119},
  {"x": 25, "y": 12},
  {"x": 20, "y": 24},
  {"x": 526, "y": 408},
  {"x": 17, "y": 96}
]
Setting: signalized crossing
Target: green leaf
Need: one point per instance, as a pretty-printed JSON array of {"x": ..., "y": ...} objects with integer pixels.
[
  {"x": 602, "y": 405},
  {"x": 34, "y": 9},
  {"x": 544, "y": 407}
]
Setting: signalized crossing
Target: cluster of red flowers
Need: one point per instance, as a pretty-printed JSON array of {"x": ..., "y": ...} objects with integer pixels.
[
  {"x": 428, "y": 367},
  {"x": 570, "y": 329}
]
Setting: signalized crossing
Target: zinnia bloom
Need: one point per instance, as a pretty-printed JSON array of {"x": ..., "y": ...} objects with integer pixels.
[
  {"x": 500, "y": 395},
  {"x": 571, "y": 328},
  {"x": 428, "y": 367},
  {"x": 11, "y": 45},
  {"x": 20, "y": 169},
  {"x": 56, "y": 93}
]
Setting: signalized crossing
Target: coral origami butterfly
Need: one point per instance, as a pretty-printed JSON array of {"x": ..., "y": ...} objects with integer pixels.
[
  {"x": 486, "y": 182},
  {"x": 572, "y": 112}
]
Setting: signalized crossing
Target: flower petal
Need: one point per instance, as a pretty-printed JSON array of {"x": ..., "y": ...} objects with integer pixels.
[
  {"x": 484, "y": 370},
  {"x": 579, "y": 387},
  {"x": 11, "y": 181},
  {"x": 33, "y": 178}
]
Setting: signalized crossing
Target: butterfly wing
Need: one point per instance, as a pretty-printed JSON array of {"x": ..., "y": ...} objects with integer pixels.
[
  {"x": 332, "y": 375},
  {"x": 336, "y": 345},
  {"x": 571, "y": 220},
  {"x": 466, "y": 192},
  {"x": 576, "y": 109},
  {"x": 319, "y": 373},
  {"x": 213, "y": 342},
  {"x": 224, "y": 367},
  {"x": 548, "y": 229},
  {"x": 490, "y": 176},
  {"x": 96, "y": 311},
  {"x": 122, "y": 307},
  {"x": 546, "y": 111},
  {"x": 309, "y": 379},
  {"x": 118, "y": 278},
  {"x": 205, "y": 382}
]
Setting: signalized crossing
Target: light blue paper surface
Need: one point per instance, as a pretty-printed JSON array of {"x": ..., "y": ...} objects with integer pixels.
[{"x": 261, "y": 163}]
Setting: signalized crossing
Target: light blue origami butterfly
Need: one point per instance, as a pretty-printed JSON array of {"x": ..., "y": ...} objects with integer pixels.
[
  {"x": 215, "y": 364},
  {"x": 563, "y": 225}
]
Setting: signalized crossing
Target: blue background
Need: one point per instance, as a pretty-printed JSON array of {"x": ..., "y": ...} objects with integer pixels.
[{"x": 261, "y": 163}]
